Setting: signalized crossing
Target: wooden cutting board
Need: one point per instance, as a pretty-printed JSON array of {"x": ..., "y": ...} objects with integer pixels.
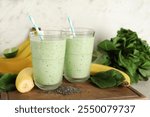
[{"x": 88, "y": 92}]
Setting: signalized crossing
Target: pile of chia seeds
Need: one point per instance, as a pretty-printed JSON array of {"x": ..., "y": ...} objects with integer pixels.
[{"x": 66, "y": 90}]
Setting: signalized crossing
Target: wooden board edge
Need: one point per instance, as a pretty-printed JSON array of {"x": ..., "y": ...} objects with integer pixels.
[
  {"x": 141, "y": 96},
  {"x": 4, "y": 96}
]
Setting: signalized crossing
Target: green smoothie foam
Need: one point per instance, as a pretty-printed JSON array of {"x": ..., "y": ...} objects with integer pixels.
[
  {"x": 78, "y": 57},
  {"x": 48, "y": 61}
]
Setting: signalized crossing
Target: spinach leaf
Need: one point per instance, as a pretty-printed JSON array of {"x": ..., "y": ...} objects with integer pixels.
[
  {"x": 146, "y": 65},
  {"x": 7, "y": 82},
  {"x": 107, "y": 79},
  {"x": 107, "y": 45},
  {"x": 144, "y": 72},
  {"x": 101, "y": 58}
]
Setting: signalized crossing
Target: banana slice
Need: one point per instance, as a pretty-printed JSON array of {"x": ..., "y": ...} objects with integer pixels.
[{"x": 24, "y": 81}]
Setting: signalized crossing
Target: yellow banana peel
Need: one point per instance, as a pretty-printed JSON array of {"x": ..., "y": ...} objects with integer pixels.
[
  {"x": 26, "y": 52},
  {"x": 22, "y": 46},
  {"x": 16, "y": 64},
  {"x": 95, "y": 68}
]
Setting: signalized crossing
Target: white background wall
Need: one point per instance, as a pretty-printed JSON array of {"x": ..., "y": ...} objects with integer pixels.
[{"x": 104, "y": 16}]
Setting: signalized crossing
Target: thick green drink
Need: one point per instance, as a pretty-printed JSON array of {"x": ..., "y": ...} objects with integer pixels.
[
  {"x": 48, "y": 59},
  {"x": 78, "y": 55}
]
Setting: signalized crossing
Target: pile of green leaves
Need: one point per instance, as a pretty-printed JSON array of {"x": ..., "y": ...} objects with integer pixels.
[
  {"x": 126, "y": 52},
  {"x": 7, "y": 82}
]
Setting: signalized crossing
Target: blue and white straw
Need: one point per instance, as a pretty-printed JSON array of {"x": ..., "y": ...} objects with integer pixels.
[
  {"x": 71, "y": 26},
  {"x": 36, "y": 27}
]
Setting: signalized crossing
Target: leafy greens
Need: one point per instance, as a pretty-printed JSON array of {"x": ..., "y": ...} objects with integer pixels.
[
  {"x": 7, "y": 82},
  {"x": 107, "y": 79},
  {"x": 126, "y": 52}
]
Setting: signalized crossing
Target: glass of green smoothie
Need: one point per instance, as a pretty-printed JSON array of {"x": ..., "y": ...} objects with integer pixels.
[
  {"x": 48, "y": 58},
  {"x": 78, "y": 56}
]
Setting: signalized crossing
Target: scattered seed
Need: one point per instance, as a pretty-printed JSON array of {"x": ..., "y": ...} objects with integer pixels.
[{"x": 66, "y": 90}]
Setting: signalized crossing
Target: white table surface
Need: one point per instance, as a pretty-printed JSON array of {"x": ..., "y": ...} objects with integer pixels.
[{"x": 143, "y": 87}]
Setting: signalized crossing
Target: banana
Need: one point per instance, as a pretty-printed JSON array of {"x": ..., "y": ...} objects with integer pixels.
[
  {"x": 24, "y": 45},
  {"x": 24, "y": 81},
  {"x": 15, "y": 66},
  {"x": 95, "y": 68},
  {"x": 26, "y": 52}
]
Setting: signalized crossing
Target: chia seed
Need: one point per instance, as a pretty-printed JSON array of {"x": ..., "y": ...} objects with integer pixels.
[{"x": 66, "y": 90}]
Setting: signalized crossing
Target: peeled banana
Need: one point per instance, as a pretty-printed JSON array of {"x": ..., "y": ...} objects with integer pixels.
[
  {"x": 95, "y": 68},
  {"x": 24, "y": 81}
]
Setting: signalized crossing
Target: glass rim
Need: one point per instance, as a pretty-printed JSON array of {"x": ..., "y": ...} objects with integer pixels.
[
  {"x": 48, "y": 33},
  {"x": 79, "y": 29}
]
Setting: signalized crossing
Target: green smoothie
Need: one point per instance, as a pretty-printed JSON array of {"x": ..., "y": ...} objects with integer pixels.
[
  {"x": 48, "y": 62},
  {"x": 78, "y": 58}
]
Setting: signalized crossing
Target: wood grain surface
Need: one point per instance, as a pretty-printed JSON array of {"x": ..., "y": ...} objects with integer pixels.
[{"x": 88, "y": 92}]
